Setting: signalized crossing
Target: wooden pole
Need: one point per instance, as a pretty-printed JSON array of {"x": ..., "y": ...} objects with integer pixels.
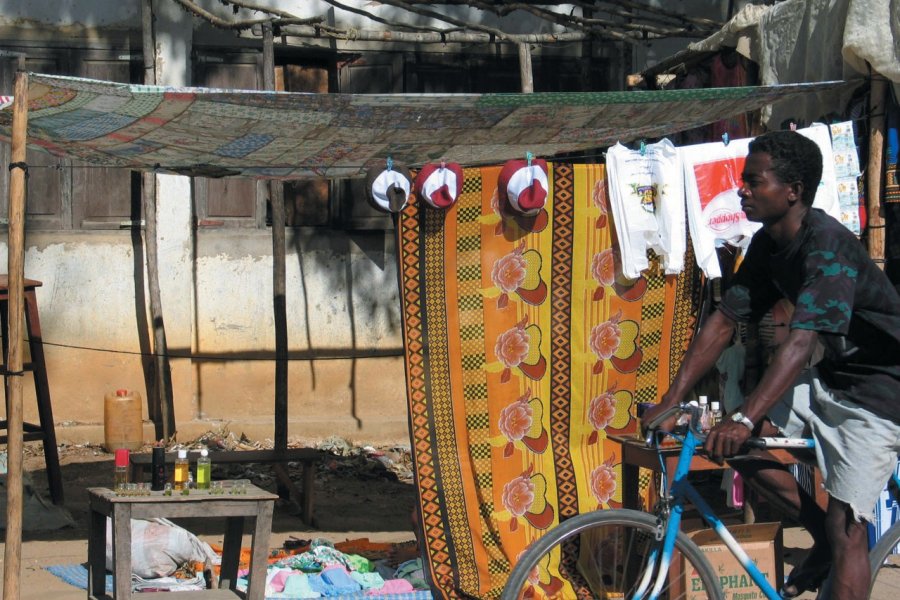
[
  {"x": 12, "y": 553},
  {"x": 279, "y": 291},
  {"x": 874, "y": 171},
  {"x": 164, "y": 417},
  {"x": 525, "y": 69}
]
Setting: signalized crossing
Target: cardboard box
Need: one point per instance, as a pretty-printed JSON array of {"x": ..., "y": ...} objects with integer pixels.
[{"x": 762, "y": 542}]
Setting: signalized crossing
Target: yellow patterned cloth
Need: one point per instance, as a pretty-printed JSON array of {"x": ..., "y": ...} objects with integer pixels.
[{"x": 524, "y": 349}]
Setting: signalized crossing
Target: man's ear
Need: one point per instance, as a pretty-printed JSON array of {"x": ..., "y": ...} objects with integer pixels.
[{"x": 796, "y": 191}]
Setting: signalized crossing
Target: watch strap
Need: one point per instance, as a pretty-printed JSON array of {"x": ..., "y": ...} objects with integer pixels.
[{"x": 739, "y": 417}]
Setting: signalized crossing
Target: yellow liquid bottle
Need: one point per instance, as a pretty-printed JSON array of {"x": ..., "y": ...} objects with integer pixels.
[
  {"x": 182, "y": 470},
  {"x": 204, "y": 470}
]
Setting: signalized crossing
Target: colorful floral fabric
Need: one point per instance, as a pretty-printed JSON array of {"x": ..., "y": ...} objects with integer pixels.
[{"x": 525, "y": 348}]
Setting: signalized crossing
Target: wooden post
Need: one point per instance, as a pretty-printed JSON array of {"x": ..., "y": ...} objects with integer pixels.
[
  {"x": 162, "y": 396},
  {"x": 12, "y": 553},
  {"x": 279, "y": 291},
  {"x": 874, "y": 172},
  {"x": 525, "y": 69}
]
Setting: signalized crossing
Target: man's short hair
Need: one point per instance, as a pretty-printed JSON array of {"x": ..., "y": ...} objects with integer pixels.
[{"x": 794, "y": 158}]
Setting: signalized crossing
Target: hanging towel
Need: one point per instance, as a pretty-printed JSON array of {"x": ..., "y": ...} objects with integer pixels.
[
  {"x": 647, "y": 200},
  {"x": 826, "y": 194}
]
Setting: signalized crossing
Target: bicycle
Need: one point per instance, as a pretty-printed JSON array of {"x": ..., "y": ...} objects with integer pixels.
[{"x": 629, "y": 553}]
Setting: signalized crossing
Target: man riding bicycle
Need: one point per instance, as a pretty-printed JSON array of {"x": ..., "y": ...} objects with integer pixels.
[{"x": 849, "y": 402}]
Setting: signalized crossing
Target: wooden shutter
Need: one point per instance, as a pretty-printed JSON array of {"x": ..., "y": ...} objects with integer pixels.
[
  {"x": 227, "y": 201},
  {"x": 105, "y": 198}
]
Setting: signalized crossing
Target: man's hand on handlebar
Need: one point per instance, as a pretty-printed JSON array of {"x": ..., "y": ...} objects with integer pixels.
[
  {"x": 654, "y": 411},
  {"x": 725, "y": 440}
]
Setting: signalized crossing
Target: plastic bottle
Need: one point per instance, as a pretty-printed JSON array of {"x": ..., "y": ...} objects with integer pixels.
[
  {"x": 182, "y": 469},
  {"x": 122, "y": 460},
  {"x": 204, "y": 470},
  {"x": 158, "y": 465},
  {"x": 715, "y": 415},
  {"x": 123, "y": 426},
  {"x": 704, "y": 413}
]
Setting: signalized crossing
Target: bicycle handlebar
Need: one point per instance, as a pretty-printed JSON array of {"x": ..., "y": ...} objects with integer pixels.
[{"x": 756, "y": 443}]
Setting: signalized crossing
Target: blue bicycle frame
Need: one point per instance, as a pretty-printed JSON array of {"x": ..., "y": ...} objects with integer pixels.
[{"x": 682, "y": 490}]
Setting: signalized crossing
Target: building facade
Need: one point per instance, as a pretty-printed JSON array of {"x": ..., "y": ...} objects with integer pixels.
[{"x": 84, "y": 231}]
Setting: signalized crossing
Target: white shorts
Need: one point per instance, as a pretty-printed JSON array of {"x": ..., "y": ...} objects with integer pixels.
[{"x": 856, "y": 450}]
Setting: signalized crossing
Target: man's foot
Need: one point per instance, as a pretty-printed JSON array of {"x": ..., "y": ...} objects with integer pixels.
[{"x": 808, "y": 575}]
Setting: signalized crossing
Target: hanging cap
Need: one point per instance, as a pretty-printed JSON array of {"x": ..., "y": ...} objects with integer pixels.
[
  {"x": 388, "y": 189},
  {"x": 182, "y": 454},
  {"x": 122, "y": 456},
  {"x": 524, "y": 184},
  {"x": 439, "y": 185},
  {"x": 121, "y": 392}
]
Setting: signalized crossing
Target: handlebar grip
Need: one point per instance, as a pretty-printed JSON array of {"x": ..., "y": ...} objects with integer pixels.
[{"x": 756, "y": 443}]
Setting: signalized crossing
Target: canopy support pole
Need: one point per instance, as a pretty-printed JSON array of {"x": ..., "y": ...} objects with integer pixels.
[
  {"x": 525, "y": 70},
  {"x": 12, "y": 552},
  {"x": 161, "y": 397},
  {"x": 279, "y": 291},
  {"x": 874, "y": 216}
]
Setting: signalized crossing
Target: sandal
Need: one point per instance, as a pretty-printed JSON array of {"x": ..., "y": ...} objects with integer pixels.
[{"x": 805, "y": 578}]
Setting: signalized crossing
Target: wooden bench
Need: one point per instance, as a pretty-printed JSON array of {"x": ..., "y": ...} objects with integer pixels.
[{"x": 307, "y": 457}]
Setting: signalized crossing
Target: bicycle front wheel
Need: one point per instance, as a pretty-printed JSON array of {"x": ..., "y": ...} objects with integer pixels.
[
  {"x": 885, "y": 565},
  {"x": 608, "y": 554}
]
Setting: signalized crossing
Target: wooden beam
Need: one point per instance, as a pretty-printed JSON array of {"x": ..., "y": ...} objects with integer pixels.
[
  {"x": 163, "y": 395},
  {"x": 12, "y": 552},
  {"x": 525, "y": 70},
  {"x": 279, "y": 287},
  {"x": 874, "y": 171}
]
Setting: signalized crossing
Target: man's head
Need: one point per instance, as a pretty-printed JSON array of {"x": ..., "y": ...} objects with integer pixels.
[{"x": 795, "y": 158}]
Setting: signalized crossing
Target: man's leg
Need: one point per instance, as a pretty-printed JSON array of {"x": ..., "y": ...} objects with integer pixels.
[
  {"x": 849, "y": 545},
  {"x": 771, "y": 480}
]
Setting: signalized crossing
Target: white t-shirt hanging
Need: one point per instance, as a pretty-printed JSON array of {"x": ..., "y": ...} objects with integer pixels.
[
  {"x": 712, "y": 177},
  {"x": 647, "y": 201}
]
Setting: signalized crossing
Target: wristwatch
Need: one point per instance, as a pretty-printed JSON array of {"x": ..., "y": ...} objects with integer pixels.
[{"x": 739, "y": 417}]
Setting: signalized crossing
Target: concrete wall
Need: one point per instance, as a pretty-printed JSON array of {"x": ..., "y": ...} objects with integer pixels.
[{"x": 346, "y": 370}]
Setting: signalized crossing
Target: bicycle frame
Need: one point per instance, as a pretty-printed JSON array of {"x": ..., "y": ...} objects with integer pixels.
[{"x": 681, "y": 491}]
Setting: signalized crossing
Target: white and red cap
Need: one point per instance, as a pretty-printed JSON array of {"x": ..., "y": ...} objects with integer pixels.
[
  {"x": 388, "y": 189},
  {"x": 439, "y": 184},
  {"x": 525, "y": 185}
]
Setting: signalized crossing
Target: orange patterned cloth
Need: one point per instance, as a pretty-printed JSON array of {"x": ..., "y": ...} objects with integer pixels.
[{"x": 524, "y": 349}]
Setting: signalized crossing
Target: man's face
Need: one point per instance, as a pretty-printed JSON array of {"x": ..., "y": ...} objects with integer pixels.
[{"x": 764, "y": 197}]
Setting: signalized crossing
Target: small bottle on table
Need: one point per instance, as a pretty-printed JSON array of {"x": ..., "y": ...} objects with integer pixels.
[
  {"x": 204, "y": 470},
  {"x": 182, "y": 469}
]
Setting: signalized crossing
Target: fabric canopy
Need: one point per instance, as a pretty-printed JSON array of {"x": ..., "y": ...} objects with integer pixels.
[{"x": 214, "y": 132}]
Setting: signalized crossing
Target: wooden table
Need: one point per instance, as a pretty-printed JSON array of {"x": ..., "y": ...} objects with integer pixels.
[
  {"x": 256, "y": 505},
  {"x": 636, "y": 454}
]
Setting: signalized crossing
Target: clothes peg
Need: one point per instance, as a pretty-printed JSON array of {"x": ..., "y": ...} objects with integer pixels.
[
  {"x": 793, "y": 126},
  {"x": 390, "y": 163},
  {"x": 529, "y": 157},
  {"x": 725, "y": 138},
  {"x": 643, "y": 148},
  {"x": 443, "y": 164}
]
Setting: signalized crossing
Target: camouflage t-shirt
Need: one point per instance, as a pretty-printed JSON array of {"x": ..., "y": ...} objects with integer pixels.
[{"x": 836, "y": 291}]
